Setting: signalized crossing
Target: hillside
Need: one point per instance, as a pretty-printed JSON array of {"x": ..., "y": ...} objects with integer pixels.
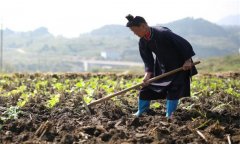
[
  {"x": 208, "y": 39},
  {"x": 220, "y": 64},
  {"x": 39, "y": 50}
]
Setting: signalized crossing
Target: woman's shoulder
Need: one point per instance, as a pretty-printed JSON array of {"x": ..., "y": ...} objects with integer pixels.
[
  {"x": 161, "y": 29},
  {"x": 161, "y": 32}
]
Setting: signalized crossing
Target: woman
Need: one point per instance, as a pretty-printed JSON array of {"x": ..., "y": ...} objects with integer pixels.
[{"x": 161, "y": 51}]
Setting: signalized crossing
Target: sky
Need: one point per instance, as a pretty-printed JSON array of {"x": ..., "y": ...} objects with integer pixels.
[{"x": 70, "y": 18}]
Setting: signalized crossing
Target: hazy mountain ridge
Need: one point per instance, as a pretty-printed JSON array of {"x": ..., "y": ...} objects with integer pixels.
[
  {"x": 208, "y": 39},
  {"x": 103, "y": 38},
  {"x": 199, "y": 27},
  {"x": 39, "y": 46},
  {"x": 112, "y": 30}
]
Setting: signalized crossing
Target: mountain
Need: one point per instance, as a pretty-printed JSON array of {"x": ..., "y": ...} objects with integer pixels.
[
  {"x": 208, "y": 39},
  {"x": 39, "y": 49},
  {"x": 112, "y": 30},
  {"x": 42, "y": 31},
  {"x": 199, "y": 27},
  {"x": 230, "y": 20},
  {"x": 13, "y": 39}
]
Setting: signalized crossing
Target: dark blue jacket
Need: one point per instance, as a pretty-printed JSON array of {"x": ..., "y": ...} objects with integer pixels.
[{"x": 166, "y": 51}]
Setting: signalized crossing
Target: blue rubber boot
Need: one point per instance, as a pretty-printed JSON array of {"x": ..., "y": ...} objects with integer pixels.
[
  {"x": 143, "y": 105},
  {"x": 171, "y": 107}
]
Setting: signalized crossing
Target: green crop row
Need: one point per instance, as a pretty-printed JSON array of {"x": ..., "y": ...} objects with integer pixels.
[{"x": 19, "y": 89}]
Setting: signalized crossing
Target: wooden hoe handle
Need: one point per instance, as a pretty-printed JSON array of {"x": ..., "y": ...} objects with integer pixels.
[{"x": 138, "y": 85}]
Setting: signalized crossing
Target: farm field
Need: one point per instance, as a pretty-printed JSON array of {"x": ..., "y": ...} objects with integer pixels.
[{"x": 48, "y": 108}]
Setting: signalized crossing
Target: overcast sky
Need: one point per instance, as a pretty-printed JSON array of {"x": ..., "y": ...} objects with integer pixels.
[{"x": 73, "y": 17}]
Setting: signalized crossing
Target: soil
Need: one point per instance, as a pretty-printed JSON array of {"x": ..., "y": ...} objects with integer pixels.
[{"x": 195, "y": 121}]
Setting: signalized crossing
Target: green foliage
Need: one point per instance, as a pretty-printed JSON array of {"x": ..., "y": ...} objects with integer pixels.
[
  {"x": 220, "y": 64},
  {"x": 41, "y": 85},
  {"x": 231, "y": 91},
  {"x": 155, "y": 105},
  {"x": 19, "y": 89},
  {"x": 23, "y": 100},
  {"x": 87, "y": 99},
  {"x": 11, "y": 113},
  {"x": 89, "y": 91},
  {"x": 54, "y": 99},
  {"x": 208, "y": 86},
  {"x": 80, "y": 84},
  {"x": 59, "y": 86}
]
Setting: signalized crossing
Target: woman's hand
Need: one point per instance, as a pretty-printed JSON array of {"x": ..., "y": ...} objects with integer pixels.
[
  {"x": 187, "y": 64},
  {"x": 146, "y": 77}
]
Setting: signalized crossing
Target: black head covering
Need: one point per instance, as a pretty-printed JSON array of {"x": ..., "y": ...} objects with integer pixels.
[{"x": 134, "y": 21}]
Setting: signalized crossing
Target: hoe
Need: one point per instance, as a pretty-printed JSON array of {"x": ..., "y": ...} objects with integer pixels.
[{"x": 87, "y": 106}]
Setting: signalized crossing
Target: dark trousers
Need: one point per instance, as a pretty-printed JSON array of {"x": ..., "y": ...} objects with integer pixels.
[{"x": 171, "y": 92}]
